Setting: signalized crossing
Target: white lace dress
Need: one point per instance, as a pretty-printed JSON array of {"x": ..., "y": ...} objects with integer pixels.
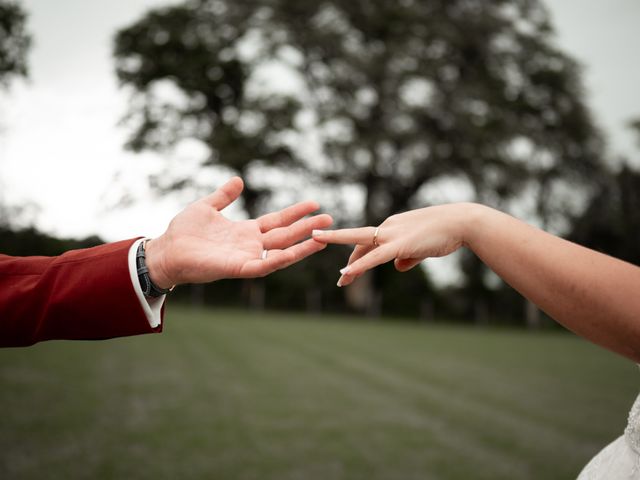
[{"x": 620, "y": 460}]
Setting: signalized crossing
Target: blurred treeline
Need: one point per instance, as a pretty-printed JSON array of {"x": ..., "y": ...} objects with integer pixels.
[{"x": 372, "y": 107}]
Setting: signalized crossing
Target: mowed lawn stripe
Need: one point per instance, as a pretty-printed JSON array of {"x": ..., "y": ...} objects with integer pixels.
[
  {"x": 524, "y": 372},
  {"x": 371, "y": 412},
  {"x": 426, "y": 417},
  {"x": 512, "y": 430},
  {"x": 307, "y": 398},
  {"x": 472, "y": 428},
  {"x": 225, "y": 394},
  {"x": 499, "y": 383}
]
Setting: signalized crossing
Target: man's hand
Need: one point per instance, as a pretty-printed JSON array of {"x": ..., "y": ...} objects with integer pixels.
[{"x": 201, "y": 245}]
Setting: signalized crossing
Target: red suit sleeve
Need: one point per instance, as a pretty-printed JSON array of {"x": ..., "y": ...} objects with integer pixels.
[{"x": 82, "y": 294}]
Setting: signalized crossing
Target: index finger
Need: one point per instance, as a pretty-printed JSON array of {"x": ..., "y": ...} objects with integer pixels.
[
  {"x": 286, "y": 216},
  {"x": 346, "y": 236}
]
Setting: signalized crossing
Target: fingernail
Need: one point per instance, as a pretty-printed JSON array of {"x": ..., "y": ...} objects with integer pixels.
[
  {"x": 345, "y": 270},
  {"x": 315, "y": 233},
  {"x": 339, "y": 282}
]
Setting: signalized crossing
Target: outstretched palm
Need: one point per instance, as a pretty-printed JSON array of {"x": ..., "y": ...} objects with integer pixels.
[{"x": 201, "y": 245}]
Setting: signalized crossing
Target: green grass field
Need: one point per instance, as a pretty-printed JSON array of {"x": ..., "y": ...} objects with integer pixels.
[{"x": 226, "y": 395}]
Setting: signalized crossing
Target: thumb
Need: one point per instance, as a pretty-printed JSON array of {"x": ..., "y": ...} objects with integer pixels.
[
  {"x": 405, "y": 264},
  {"x": 226, "y": 194}
]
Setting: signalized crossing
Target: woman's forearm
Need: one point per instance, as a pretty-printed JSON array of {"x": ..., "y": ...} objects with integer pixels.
[{"x": 595, "y": 295}]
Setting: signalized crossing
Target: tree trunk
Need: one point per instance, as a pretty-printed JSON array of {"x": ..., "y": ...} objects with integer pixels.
[
  {"x": 480, "y": 311},
  {"x": 427, "y": 310},
  {"x": 374, "y": 308},
  {"x": 256, "y": 293},
  {"x": 196, "y": 291},
  {"x": 314, "y": 300},
  {"x": 358, "y": 295},
  {"x": 532, "y": 315}
]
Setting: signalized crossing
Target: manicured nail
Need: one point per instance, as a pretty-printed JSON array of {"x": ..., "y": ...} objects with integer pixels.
[
  {"x": 339, "y": 282},
  {"x": 316, "y": 233},
  {"x": 345, "y": 270}
]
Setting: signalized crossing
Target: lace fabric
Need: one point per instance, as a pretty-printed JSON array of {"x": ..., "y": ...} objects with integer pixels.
[
  {"x": 632, "y": 435},
  {"x": 632, "y": 432},
  {"x": 620, "y": 460}
]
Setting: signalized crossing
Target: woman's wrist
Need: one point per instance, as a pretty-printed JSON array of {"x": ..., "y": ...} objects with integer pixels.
[{"x": 475, "y": 220}]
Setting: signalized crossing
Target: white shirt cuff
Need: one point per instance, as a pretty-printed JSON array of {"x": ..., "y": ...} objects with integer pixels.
[{"x": 151, "y": 306}]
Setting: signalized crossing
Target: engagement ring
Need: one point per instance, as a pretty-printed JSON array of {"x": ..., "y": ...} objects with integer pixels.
[{"x": 375, "y": 237}]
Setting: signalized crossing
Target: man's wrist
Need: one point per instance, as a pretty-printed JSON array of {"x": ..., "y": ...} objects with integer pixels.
[{"x": 155, "y": 265}]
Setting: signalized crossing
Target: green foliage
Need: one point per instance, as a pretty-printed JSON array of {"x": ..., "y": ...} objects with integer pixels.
[
  {"x": 14, "y": 46},
  {"x": 404, "y": 92},
  {"x": 611, "y": 223},
  {"x": 14, "y": 41},
  {"x": 222, "y": 395},
  {"x": 635, "y": 126},
  {"x": 29, "y": 241},
  {"x": 193, "y": 48},
  {"x": 433, "y": 89}
]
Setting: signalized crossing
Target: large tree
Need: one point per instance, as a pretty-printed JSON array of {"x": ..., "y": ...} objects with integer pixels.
[
  {"x": 14, "y": 41},
  {"x": 14, "y": 46},
  {"x": 404, "y": 93},
  {"x": 400, "y": 96}
]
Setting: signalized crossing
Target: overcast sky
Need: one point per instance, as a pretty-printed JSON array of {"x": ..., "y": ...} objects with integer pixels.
[{"x": 60, "y": 147}]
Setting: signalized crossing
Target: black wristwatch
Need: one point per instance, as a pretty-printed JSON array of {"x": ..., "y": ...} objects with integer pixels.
[{"x": 149, "y": 288}]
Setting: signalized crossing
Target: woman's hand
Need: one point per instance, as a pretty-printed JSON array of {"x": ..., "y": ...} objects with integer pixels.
[
  {"x": 201, "y": 245},
  {"x": 407, "y": 238}
]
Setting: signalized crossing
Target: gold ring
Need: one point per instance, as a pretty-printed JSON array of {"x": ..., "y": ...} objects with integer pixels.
[{"x": 375, "y": 237}]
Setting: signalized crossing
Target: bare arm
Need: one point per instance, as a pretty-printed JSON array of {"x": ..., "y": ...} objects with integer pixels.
[{"x": 596, "y": 296}]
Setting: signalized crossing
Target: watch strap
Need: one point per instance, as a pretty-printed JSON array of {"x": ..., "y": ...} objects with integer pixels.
[{"x": 149, "y": 289}]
